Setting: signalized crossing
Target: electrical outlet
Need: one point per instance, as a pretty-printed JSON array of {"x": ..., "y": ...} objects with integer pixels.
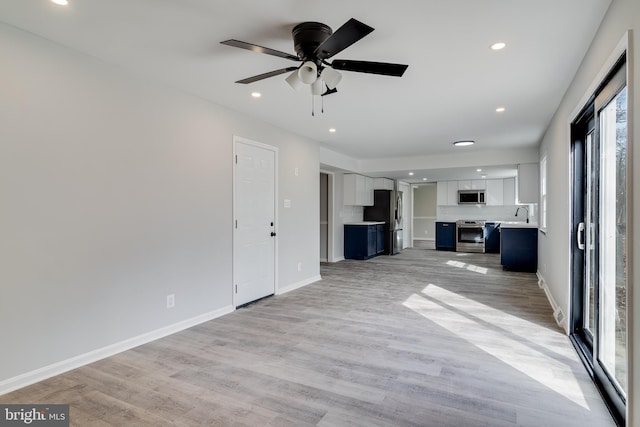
[
  {"x": 299, "y": 266},
  {"x": 296, "y": 171},
  {"x": 171, "y": 300}
]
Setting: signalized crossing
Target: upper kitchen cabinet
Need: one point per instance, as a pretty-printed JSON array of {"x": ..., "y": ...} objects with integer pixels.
[
  {"x": 464, "y": 184},
  {"x": 383, "y": 184},
  {"x": 447, "y": 193},
  {"x": 441, "y": 193},
  {"x": 509, "y": 193},
  {"x": 498, "y": 192},
  {"x": 495, "y": 192},
  {"x": 358, "y": 190},
  {"x": 472, "y": 184},
  {"x": 478, "y": 184},
  {"x": 528, "y": 183}
]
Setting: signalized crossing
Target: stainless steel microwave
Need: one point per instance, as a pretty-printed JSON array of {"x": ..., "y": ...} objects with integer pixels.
[{"x": 471, "y": 197}]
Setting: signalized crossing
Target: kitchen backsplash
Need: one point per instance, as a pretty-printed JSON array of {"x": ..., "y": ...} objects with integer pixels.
[
  {"x": 489, "y": 213},
  {"x": 351, "y": 214}
]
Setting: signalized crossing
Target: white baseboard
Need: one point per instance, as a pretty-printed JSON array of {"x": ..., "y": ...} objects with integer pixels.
[
  {"x": 63, "y": 366},
  {"x": 297, "y": 285},
  {"x": 558, "y": 314},
  {"x": 338, "y": 259}
]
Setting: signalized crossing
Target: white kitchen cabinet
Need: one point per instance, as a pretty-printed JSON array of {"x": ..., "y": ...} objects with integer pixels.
[
  {"x": 464, "y": 185},
  {"x": 494, "y": 194},
  {"x": 479, "y": 184},
  {"x": 509, "y": 191},
  {"x": 528, "y": 183},
  {"x": 368, "y": 191},
  {"x": 452, "y": 193},
  {"x": 358, "y": 190},
  {"x": 447, "y": 193},
  {"x": 441, "y": 195},
  {"x": 383, "y": 184}
]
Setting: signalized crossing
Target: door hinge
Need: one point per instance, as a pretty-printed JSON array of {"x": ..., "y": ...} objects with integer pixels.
[
  {"x": 236, "y": 289},
  {"x": 236, "y": 223},
  {"x": 236, "y": 159}
]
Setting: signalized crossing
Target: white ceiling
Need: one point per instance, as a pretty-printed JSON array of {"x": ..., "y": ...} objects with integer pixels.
[{"x": 450, "y": 91}]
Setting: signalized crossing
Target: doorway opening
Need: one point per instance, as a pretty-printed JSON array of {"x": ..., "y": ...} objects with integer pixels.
[{"x": 326, "y": 216}]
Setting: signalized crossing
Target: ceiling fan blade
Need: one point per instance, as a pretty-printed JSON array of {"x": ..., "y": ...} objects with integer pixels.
[
  {"x": 384, "y": 68},
  {"x": 330, "y": 91},
  {"x": 259, "y": 49},
  {"x": 352, "y": 31},
  {"x": 266, "y": 75}
]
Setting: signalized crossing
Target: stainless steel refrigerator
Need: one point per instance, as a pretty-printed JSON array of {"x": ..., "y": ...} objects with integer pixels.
[{"x": 387, "y": 208}]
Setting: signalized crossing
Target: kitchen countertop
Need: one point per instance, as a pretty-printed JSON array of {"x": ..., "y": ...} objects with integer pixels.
[
  {"x": 365, "y": 223},
  {"x": 503, "y": 224},
  {"x": 517, "y": 224}
]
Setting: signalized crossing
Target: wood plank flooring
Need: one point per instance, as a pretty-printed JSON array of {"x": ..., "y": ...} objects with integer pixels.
[{"x": 423, "y": 338}]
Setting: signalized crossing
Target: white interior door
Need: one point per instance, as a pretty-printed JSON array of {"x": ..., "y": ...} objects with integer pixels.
[{"x": 254, "y": 222}]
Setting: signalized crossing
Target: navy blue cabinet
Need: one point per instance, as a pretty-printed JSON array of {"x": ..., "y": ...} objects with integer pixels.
[
  {"x": 492, "y": 237},
  {"x": 363, "y": 241},
  {"x": 379, "y": 238},
  {"x": 519, "y": 249},
  {"x": 446, "y": 236}
]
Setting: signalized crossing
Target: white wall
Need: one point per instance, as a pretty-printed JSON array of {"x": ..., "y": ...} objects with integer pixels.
[
  {"x": 116, "y": 193},
  {"x": 554, "y": 247}
]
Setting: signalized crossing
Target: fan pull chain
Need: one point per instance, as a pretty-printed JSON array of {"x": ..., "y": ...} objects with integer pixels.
[
  {"x": 313, "y": 105},
  {"x": 322, "y": 100}
]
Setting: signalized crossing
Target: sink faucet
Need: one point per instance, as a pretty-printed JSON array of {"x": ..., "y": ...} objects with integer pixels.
[{"x": 525, "y": 208}]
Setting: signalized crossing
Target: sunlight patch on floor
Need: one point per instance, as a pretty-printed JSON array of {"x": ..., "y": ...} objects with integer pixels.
[
  {"x": 469, "y": 267},
  {"x": 500, "y": 336}
]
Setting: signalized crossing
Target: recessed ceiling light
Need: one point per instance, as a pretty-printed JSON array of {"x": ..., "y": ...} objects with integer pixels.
[
  {"x": 410, "y": 173},
  {"x": 498, "y": 46},
  {"x": 424, "y": 179},
  {"x": 463, "y": 143},
  {"x": 256, "y": 94},
  {"x": 332, "y": 130},
  {"x": 61, "y": 2},
  {"x": 500, "y": 110},
  {"x": 483, "y": 176},
  {"x": 478, "y": 170}
]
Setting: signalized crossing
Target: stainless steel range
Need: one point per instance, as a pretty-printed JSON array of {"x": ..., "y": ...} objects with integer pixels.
[{"x": 470, "y": 236}]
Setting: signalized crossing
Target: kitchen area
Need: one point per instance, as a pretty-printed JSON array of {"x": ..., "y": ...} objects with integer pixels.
[{"x": 493, "y": 216}]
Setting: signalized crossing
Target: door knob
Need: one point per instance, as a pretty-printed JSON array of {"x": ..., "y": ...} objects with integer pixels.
[{"x": 273, "y": 234}]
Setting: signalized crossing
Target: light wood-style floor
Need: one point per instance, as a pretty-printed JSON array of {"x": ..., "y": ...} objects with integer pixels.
[{"x": 424, "y": 338}]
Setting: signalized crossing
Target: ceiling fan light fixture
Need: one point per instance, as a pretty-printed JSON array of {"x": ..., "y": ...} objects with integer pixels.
[
  {"x": 308, "y": 73},
  {"x": 317, "y": 87},
  {"x": 294, "y": 81},
  {"x": 331, "y": 77}
]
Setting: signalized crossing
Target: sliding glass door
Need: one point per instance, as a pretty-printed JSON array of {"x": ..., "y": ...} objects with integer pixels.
[{"x": 599, "y": 249}]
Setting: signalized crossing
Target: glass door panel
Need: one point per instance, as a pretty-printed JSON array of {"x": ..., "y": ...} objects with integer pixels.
[
  {"x": 612, "y": 348},
  {"x": 590, "y": 265},
  {"x": 600, "y": 250}
]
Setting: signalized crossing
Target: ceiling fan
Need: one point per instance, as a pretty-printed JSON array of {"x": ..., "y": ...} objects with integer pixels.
[{"x": 314, "y": 44}]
